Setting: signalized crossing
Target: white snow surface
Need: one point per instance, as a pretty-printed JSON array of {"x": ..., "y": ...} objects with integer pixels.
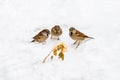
[{"x": 96, "y": 59}]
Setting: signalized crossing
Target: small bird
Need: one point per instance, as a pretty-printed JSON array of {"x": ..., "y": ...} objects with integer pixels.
[
  {"x": 56, "y": 31},
  {"x": 42, "y": 36},
  {"x": 77, "y": 35}
]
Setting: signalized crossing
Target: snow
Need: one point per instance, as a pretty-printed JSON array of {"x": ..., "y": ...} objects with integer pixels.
[{"x": 97, "y": 59}]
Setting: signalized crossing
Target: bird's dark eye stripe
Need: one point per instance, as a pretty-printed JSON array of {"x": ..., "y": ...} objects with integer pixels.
[
  {"x": 71, "y": 33},
  {"x": 47, "y": 34}
]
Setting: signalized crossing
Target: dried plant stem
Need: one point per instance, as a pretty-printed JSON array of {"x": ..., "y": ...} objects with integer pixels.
[{"x": 46, "y": 57}]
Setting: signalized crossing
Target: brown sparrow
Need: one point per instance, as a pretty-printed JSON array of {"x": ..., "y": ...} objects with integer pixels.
[
  {"x": 56, "y": 31},
  {"x": 77, "y": 36},
  {"x": 42, "y": 36}
]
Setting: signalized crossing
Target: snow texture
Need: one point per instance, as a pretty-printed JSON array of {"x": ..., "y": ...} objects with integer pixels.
[{"x": 96, "y": 59}]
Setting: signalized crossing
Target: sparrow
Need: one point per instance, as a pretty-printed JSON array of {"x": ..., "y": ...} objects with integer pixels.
[
  {"x": 77, "y": 36},
  {"x": 56, "y": 31},
  {"x": 42, "y": 36}
]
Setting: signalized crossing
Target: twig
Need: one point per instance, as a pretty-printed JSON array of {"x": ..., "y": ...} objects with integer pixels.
[{"x": 46, "y": 57}]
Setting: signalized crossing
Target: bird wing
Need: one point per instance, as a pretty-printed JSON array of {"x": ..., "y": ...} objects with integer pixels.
[
  {"x": 80, "y": 34},
  {"x": 38, "y": 35}
]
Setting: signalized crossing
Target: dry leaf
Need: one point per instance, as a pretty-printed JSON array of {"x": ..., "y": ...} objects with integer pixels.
[{"x": 58, "y": 50}]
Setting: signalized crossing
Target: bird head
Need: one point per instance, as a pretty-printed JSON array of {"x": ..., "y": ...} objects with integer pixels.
[
  {"x": 72, "y": 29},
  {"x": 46, "y": 32}
]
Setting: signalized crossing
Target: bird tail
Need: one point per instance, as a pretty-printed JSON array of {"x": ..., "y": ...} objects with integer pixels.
[
  {"x": 33, "y": 41},
  {"x": 90, "y": 37}
]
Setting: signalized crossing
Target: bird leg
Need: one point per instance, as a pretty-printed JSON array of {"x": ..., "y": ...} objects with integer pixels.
[
  {"x": 78, "y": 44},
  {"x": 51, "y": 37},
  {"x": 74, "y": 42},
  {"x": 58, "y": 38},
  {"x": 43, "y": 42}
]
